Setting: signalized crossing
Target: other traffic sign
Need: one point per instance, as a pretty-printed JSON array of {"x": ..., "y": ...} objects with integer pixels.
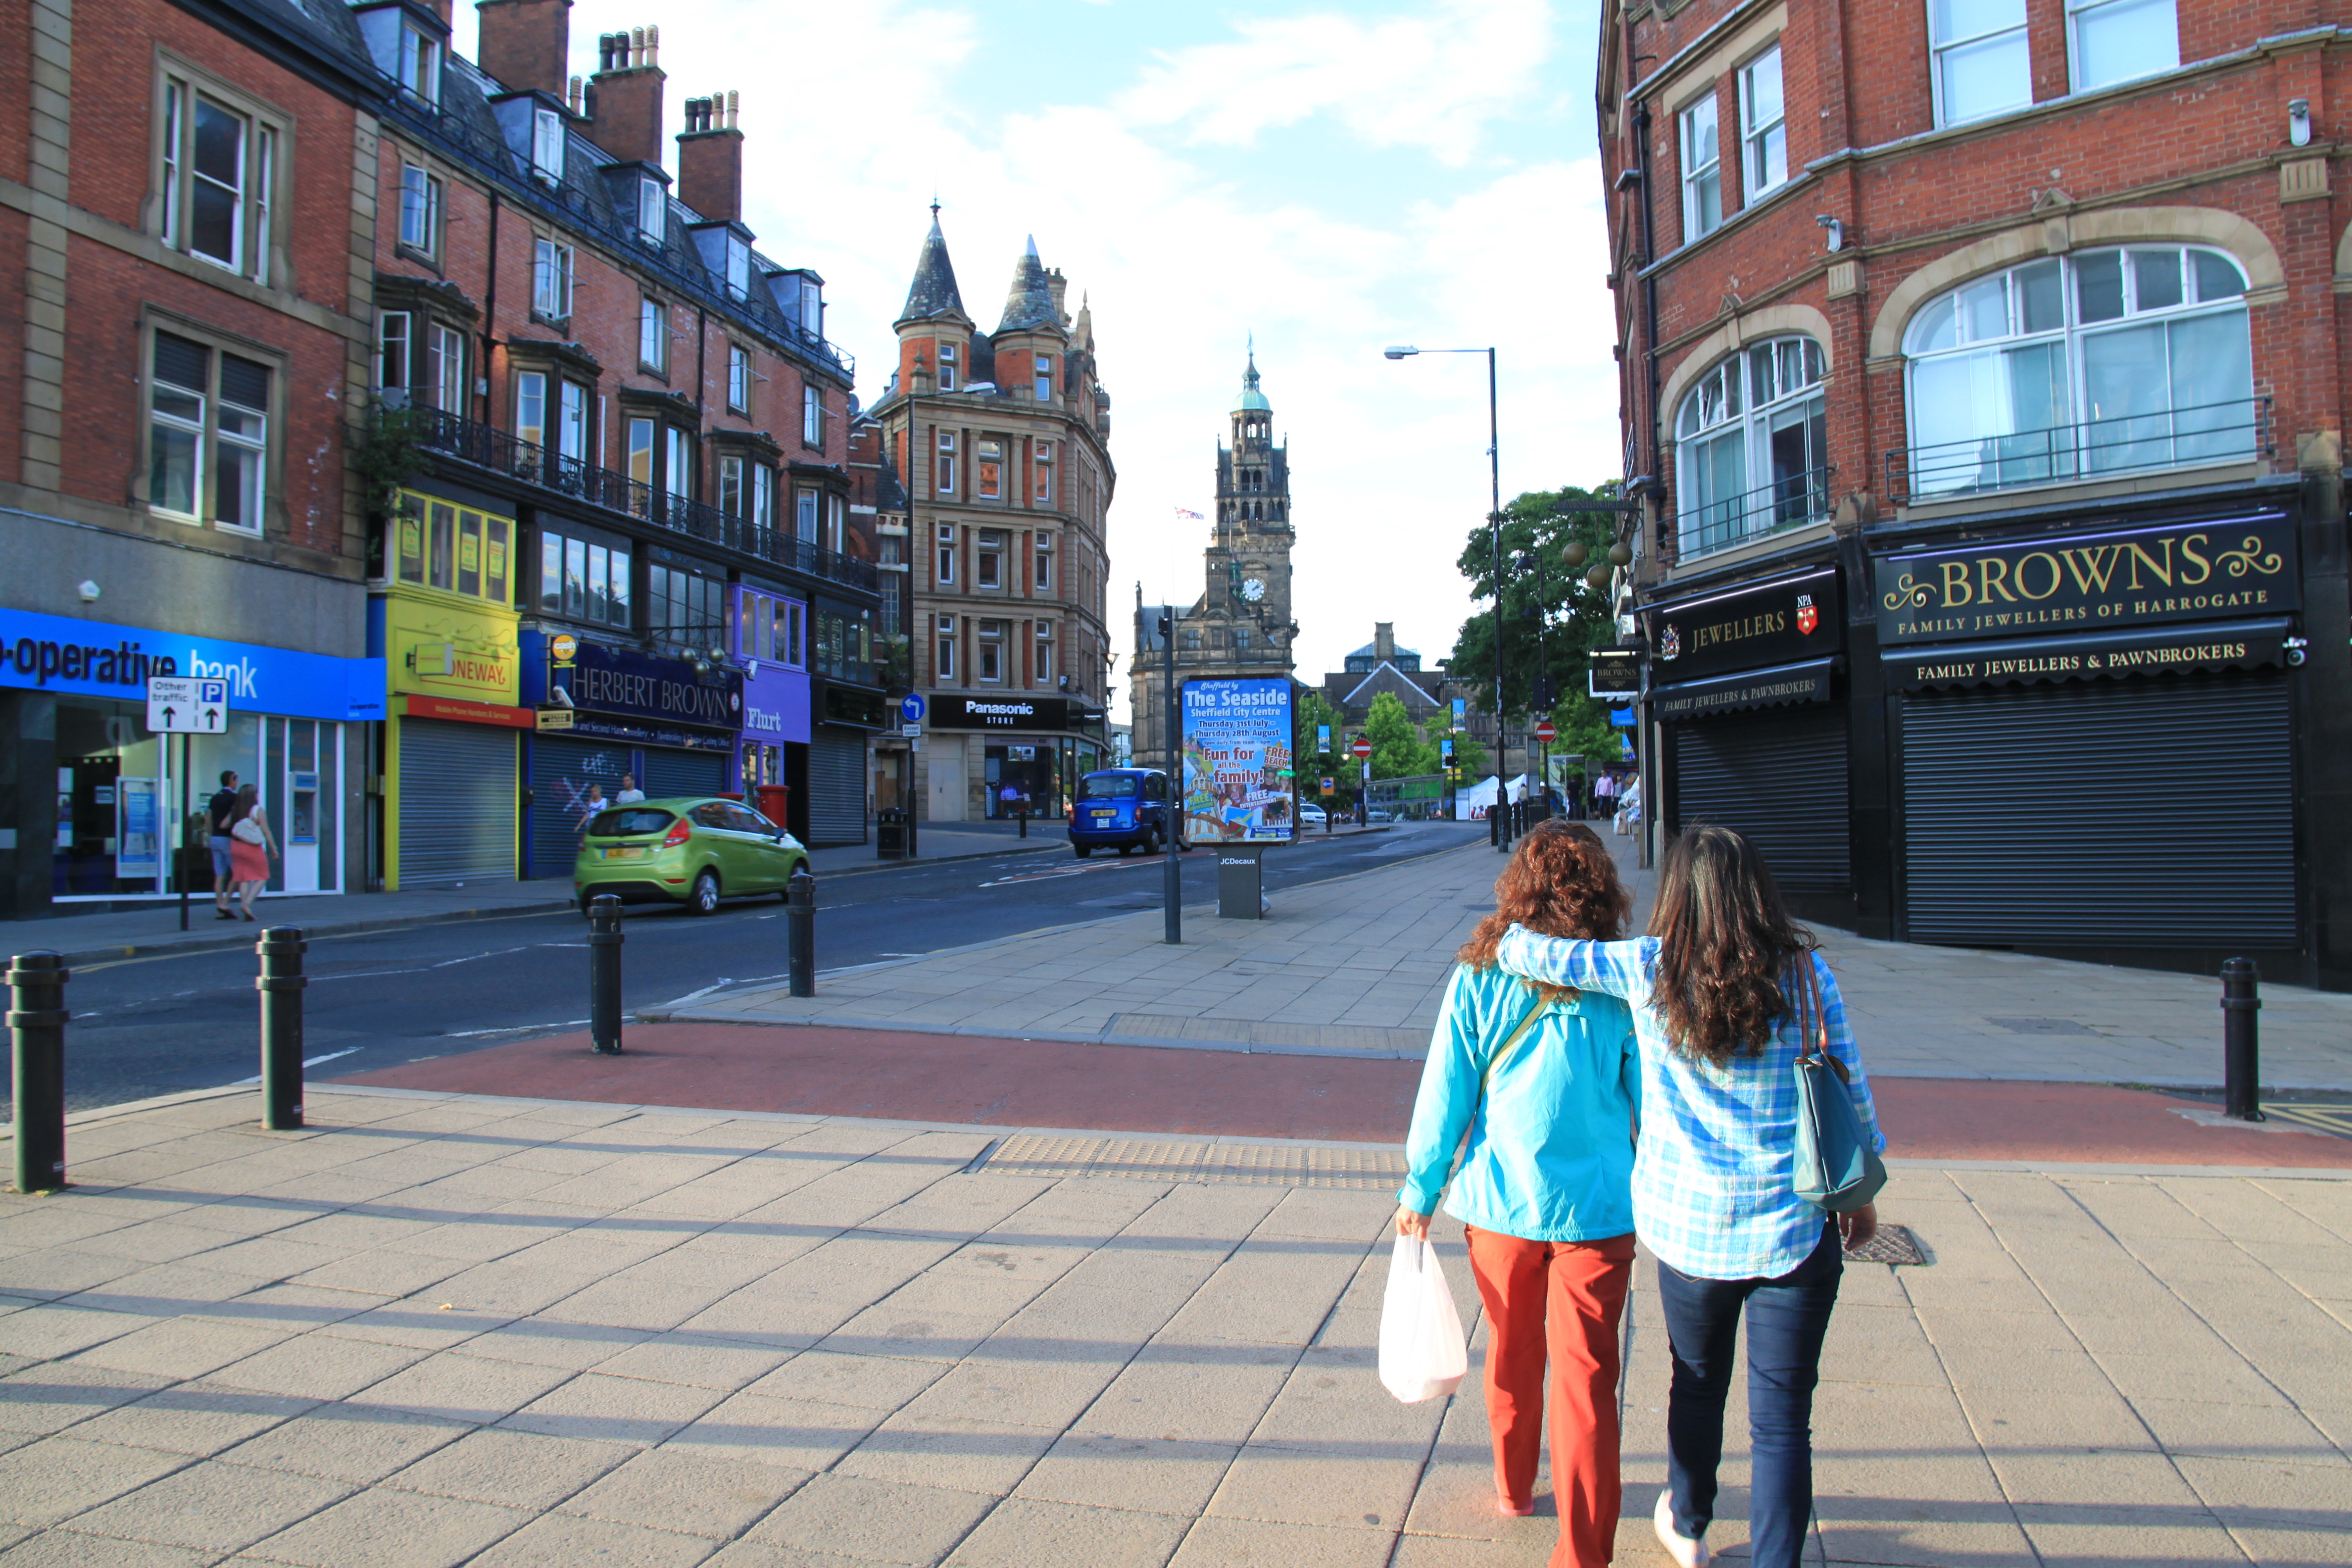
[
  {"x": 1329, "y": 785},
  {"x": 1547, "y": 732},
  {"x": 186, "y": 705},
  {"x": 911, "y": 706},
  {"x": 1362, "y": 748}
]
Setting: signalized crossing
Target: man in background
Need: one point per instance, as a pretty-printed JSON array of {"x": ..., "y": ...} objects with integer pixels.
[{"x": 220, "y": 815}]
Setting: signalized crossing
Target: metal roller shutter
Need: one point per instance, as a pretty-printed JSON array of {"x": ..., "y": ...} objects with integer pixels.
[
  {"x": 562, "y": 769},
  {"x": 2062, "y": 816},
  {"x": 684, "y": 772},
  {"x": 1780, "y": 777},
  {"x": 456, "y": 804},
  {"x": 836, "y": 785}
]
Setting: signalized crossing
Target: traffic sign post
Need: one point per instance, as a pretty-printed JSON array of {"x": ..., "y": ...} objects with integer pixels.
[
  {"x": 1362, "y": 748},
  {"x": 185, "y": 705},
  {"x": 1547, "y": 732}
]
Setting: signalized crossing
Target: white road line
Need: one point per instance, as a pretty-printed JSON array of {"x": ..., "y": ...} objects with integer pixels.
[
  {"x": 310, "y": 1062},
  {"x": 510, "y": 1029}
]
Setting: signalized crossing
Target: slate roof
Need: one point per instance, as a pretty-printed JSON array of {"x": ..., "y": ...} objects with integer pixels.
[
  {"x": 933, "y": 294},
  {"x": 1029, "y": 303}
]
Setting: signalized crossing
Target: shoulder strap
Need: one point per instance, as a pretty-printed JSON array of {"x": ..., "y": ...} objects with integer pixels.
[
  {"x": 1511, "y": 1042},
  {"x": 1805, "y": 997}
]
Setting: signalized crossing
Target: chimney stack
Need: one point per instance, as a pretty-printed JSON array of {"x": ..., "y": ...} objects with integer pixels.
[
  {"x": 440, "y": 9},
  {"x": 1384, "y": 640},
  {"x": 526, "y": 43},
  {"x": 627, "y": 93},
  {"x": 1060, "y": 286},
  {"x": 710, "y": 158}
]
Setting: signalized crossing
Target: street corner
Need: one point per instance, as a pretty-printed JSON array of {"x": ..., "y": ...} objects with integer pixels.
[{"x": 2094, "y": 1123}]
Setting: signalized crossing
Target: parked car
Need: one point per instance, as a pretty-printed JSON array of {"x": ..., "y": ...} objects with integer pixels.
[
  {"x": 1311, "y": 816},
  {"x": 1120, "y": 808},
  {"x": 1379, "y": 814},
  {"x": 694, "y": 850}
]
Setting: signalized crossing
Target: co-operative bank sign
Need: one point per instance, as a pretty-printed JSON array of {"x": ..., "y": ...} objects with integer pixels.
[{"x": 93, "y": 659}]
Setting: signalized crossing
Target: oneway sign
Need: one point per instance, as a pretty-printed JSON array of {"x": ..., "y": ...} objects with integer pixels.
[{"x": 186, "y": 705}]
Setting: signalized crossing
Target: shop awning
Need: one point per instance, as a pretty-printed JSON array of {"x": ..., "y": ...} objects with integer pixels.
[
  {"x": 1779, "y": 686},
  {"x": 2092, "y": 655}
]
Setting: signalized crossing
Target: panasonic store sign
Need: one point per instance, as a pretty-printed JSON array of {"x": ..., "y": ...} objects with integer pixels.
[{"x": 1043, "y": 713}]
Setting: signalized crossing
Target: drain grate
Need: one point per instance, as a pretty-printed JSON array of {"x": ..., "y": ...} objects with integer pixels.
[
  {"x": 1893, "y": 1244},
  {"x": 1254, "y": 1164}
]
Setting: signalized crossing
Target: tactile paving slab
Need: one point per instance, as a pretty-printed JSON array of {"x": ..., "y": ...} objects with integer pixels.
[{"x": 1142, "y": 1160}]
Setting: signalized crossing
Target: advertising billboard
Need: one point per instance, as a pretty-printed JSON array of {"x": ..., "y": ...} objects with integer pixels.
[{"x": 1237, "y": 785}]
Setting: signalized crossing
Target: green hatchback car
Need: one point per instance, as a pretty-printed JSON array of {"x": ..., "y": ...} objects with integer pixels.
[{"x": 694, "y": 850}]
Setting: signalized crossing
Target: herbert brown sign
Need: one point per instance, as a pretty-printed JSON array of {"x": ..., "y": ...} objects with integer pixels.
[
  {"x": 2084, "y": 582},
  {"x": 1783, "y": 622}
]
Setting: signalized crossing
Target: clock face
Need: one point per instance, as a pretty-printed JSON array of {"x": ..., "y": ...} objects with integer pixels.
[{"x": 1253, "y": 590}]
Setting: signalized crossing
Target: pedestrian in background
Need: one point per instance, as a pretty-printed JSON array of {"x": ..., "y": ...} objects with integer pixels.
[
  {"x": 250, "y": 846},
  {"x": 1545, "y": 1080},
  {"x": 1604, "y": 794},
  {"x": 220, "y": 815},
  {"x": 629, "y": 794},
  {"x": 592, "y": 807},
  {"x": 1716, "y": 989}
]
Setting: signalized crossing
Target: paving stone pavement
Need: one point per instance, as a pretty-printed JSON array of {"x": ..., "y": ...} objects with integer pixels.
[
  {"x": 1358, "y": 964},
  {"x": 434, "y": 1329}
]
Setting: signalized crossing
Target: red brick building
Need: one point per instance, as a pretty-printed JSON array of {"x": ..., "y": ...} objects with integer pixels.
[
  {"x": 185, "y": 370},
  {"x": 1982, "y": 373},
  {"x": 636, "y": 414}
]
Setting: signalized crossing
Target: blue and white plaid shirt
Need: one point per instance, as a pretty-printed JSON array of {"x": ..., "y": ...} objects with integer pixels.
[{"x": 1715, "y": 1196}]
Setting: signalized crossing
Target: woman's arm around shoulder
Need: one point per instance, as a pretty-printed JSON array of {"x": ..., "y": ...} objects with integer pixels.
[
  {"x": 1620, "y": 969},
  {"x": 1843, "y": 1047}
]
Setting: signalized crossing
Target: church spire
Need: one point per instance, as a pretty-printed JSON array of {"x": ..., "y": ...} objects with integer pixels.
[
  {"x": 1029, "y": 303},
  {"x": 933, "y": 293},
  {"x": 1253, "y": 401}
]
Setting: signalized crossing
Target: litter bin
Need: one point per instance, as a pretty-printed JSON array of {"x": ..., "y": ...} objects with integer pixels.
[
  {"x": 771, "y": 799},
  {"x": 894, "y": 834}
]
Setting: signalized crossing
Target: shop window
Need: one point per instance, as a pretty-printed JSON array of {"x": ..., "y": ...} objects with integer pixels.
[
  {"x": 2110, "y": 41},
  {"x": 420, "y": 211},
  {"x": 455, "y": 548},
  {"x": 653, "y": 336},
  {"x": 1751, "y": 444},
  {"x": 208, "y": 434},
  {"x": 1044, "y": 580},
  {"x": 946, "y": 670},
  {"x": 217, "y": 161},
  {"x": 550, "y": 281},
  {"x": 947, "y": 378},
  {"x": 755, "y": 626},
  {"x": 1980, "y": 63},
  {"x": 947, "y": 555},
  {"x": 811, "y": 417},
  {"x": 2072, "y": 367},
  {"x": 944, "y": 480},
  {"x": 1763, "y": 127},
  {"x": 990, "y": 646},
  {"x": 686, "y": 608},
  {"x": 1701, "y": 156},
  {"x": 738, "y": 379},
  {"x": 1042, "y": 487},
  {"x": 988, "y": 471},
  {"x": 584, "y": 577},
  {"x": 988, "y": 561}
]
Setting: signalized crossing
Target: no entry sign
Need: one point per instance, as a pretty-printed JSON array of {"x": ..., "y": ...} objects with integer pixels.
[
  {"x": 1362, "y": 748},
  {"x": 1546, "y": 730}
]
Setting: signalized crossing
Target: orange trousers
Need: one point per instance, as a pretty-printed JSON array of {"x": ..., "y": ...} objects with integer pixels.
[{"x": 1563, "y": 1300}]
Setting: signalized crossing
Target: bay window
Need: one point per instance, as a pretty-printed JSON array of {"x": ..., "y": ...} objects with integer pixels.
[
  {"x": 572, "y": 423},
  {"x": 946, "y": 367},
  {"x": 392, "y": 363},
  {"x": 583, "y": 575},
  {"x": 1751, "y": 445},
  {"x": 1045, "y": 378},
  {"x": 448, "y": 367},
  {"x": 804, "y": 519},
  {"x": 530, "y": 408}
]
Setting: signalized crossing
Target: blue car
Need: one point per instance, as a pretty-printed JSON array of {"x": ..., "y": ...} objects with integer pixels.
[{"x": 1120, "y": 808}]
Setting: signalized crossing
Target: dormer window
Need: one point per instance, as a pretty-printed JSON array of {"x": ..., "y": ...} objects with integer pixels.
[
  {"x": 946, "y": 367},
  {"x": 653, "y": 210},
  {"x": 813, "y": 309},
  {"x": 739, "y": 266},
  {"x": 547, "y": 146},
  {"x": 420, "y": 65}
]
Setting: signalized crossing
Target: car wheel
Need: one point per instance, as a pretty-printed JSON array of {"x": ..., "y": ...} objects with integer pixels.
[
  {"x": 1151, "y": 844},
  {"x": 704, "y": 899},
  {"x": 1082, "y": 850}
]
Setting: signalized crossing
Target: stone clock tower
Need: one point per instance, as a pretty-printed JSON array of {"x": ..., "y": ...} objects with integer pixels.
[{"x": 1241, "y": 622}]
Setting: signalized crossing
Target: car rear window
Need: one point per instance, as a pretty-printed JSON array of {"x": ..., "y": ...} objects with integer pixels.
[
  {"x": 1106, "y": 786},
  {"x": 628, "y": 820}
]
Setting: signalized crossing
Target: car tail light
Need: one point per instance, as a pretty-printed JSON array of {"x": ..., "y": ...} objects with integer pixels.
[{"x": 680, "y": 832}]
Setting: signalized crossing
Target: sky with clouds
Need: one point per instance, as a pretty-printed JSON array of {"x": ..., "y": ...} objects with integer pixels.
[{"x": 1331, "y": 175}]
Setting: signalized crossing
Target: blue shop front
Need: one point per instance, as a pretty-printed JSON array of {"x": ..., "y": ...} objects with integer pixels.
[
  {"x": 76, "y": 694},
  {"x": 609, "y": 717}
]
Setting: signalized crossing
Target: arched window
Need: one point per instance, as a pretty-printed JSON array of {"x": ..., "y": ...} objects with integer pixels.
[
  {"x": 2104, "y": 362},
  {"x": 1752, "y": 441}
]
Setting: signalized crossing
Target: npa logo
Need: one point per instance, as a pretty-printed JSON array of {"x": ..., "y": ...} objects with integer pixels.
[{"x": 1807, "y": 616}]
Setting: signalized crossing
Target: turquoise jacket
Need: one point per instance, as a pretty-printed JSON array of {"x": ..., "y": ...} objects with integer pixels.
[{"x": 1551, "y": 1148}]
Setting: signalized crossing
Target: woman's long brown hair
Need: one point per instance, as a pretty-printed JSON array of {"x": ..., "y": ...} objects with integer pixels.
[
  {"x": 1725, "y": 938},
  {"x": 1561, "y": 881}
]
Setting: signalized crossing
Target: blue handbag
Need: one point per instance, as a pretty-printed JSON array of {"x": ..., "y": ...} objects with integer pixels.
[{"x": 1835, "y": 1166}]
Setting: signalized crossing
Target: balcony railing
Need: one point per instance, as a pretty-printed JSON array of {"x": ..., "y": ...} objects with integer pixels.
[
  {"x": 1785, "y": 502},
  {"x": 542, "y": 466},
  {"x": 2095, "y": 449}
]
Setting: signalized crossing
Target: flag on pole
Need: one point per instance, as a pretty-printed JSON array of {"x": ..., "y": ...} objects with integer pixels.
[{"x": 1187, "y": 512}]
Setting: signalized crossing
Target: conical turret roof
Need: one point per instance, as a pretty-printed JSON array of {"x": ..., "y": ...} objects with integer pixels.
[
  {"x": 1029, "y": 303},
  {"x": 933, "y": 293}
]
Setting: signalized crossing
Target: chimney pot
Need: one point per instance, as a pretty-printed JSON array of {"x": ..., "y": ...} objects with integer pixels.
[
  {"x": 625, "y": 97},
  {"x": 710, "y": 159},
  {"x": 653, "y": 45}
]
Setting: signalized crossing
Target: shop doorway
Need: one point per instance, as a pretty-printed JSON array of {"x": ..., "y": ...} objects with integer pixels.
[{"x": 1032, "y": 772}]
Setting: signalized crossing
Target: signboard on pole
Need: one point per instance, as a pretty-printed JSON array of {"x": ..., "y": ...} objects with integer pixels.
[
  {"x": 1237, "y": 787},
  {"x": 186, "y": 705},
  {"x": 1547, "y": 732},
  {"x": 1361, "y": 749}
]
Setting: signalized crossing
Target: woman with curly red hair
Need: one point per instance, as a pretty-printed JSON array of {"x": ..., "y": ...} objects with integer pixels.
[{"x": 1545, "y": 1080}]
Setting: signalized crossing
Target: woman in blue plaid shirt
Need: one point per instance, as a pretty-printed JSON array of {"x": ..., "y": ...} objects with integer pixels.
[{"x": 1714, "y": 991}]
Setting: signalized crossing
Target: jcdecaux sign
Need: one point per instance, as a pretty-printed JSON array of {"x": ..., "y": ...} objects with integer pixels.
[{"x": 93, "y": 659}]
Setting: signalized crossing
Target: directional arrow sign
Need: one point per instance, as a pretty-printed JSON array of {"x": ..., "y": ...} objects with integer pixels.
[{"x": 186, "y": 705}]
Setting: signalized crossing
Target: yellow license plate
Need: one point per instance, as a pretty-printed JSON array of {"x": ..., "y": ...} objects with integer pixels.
[{"x": 625, "y": 852}]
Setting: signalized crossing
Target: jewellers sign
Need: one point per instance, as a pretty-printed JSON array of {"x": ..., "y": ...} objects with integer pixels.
[
  {"x": 952, "y": 712},
  {"x": 663, "y": 690},
  {"x": 2083, "y": 582},
  {"x": 1782, "y": 622}
]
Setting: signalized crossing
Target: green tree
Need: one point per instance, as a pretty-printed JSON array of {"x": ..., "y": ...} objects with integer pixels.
[
  {"x": 1398, "y": 750},
  {"x": 1470, "y": 763},
  {"x": 1550, "y": 614},
  {"x": 1310, "y": 711}
]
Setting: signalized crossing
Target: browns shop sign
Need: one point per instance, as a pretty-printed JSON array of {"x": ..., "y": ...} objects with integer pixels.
[{"x": 2081, "y": 582}]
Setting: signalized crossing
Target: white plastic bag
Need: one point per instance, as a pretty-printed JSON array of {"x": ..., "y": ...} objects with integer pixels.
[{"x": 1423, "y": 1355}]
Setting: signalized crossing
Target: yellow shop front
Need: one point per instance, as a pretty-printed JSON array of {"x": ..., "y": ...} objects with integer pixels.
[{"x": 445, "y": 613}]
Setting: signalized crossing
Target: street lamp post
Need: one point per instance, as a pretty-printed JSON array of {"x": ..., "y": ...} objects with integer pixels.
[{"x": 1501, "y": 812}]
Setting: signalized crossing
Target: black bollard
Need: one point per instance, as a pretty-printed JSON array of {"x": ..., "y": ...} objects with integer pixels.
[
  {"x": 1023, "y": 814},
  {"x": 281, "y": 983},
  {"x": 36, "y": 1028},
  {"x": 2241, "y": 1053},
  {"x": 800, "y": 936},
  {"x": 604, "y": 975}
]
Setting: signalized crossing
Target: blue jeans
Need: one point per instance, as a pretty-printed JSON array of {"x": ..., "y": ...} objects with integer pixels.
[{"x": 1787, "y": 1320}]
